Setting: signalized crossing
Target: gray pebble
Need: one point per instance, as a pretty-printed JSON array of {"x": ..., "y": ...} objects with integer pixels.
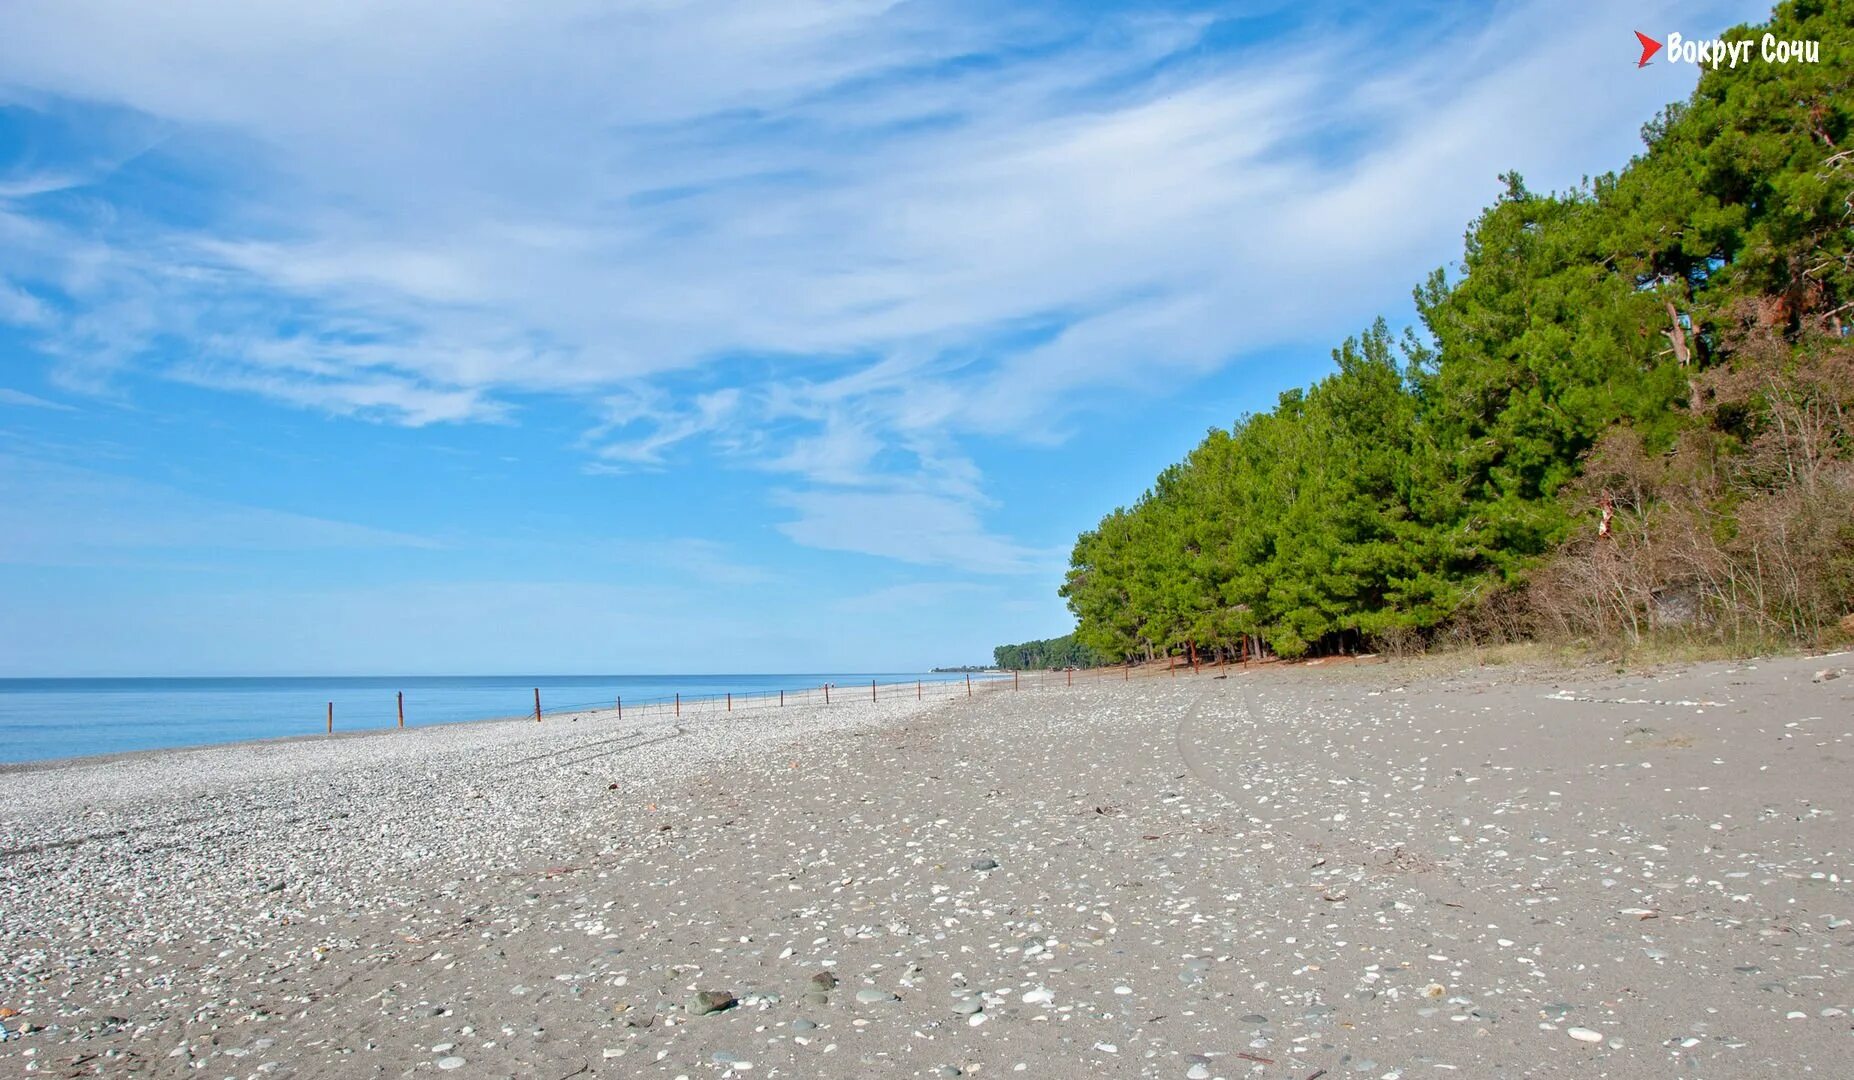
[{"x": 710, "y": 1001}]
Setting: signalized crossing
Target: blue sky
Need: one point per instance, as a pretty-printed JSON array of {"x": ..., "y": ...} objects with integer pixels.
[{"x": 652, "y": 337}]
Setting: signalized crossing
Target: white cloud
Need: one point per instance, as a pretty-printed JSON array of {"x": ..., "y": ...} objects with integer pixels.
[
  {"x": 406, "y": 401},
  {"x": 665, "y": 424},
  {"x": 882, "y": 227},
  {"x": 21, "y": 308},
  {"x": 20, "y": 397},
  {"x": 842, "y": 451},
  {"x": 913, "y": 527},
  {"x": 25, "y": 187}
]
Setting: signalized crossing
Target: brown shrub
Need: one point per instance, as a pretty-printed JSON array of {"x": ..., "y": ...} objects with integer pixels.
[{"x": 1743, "y": 532}]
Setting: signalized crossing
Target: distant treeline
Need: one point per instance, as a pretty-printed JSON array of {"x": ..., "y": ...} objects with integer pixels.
[
  {"x": 1062, "y": 652},
  {"x": 1630, "y": 409}
]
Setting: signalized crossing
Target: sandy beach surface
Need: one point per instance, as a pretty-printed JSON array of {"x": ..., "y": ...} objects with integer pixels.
[{"x": 1363, "y": 870}]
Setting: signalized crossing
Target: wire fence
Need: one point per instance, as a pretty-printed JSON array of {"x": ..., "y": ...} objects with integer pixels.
[
  {"x": 972, "y": 685},
  {"x": 834, "y": 694}
]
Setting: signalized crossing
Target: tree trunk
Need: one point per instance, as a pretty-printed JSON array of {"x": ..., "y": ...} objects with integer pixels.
[{"x": 1677, "y": 336}]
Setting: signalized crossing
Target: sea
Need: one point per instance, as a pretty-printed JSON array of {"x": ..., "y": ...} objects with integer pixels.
[{"x": 45, "y": 719}]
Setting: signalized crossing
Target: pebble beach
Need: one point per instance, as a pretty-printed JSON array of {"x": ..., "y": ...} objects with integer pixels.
[{"x": 1280, "y": 873}]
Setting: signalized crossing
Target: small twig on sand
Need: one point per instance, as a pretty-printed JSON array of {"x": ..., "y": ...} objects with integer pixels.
[
  {"x": 586, "y": 1068},
  {"x": 1317, "y": 1073},
  {"x": 1257, "y": 1058}
]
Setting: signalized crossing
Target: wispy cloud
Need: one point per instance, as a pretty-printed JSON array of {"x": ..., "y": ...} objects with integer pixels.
[
  {"x": 21, "y": 308},
  {"x": 831, "y": 239},
  {"x": 842, "y": 451},
  {"x": 912, "y": 527},
  {"x": 349, "y": 393},
  {"x": 639, "y": 426},
  {"x": 20, "y": 397},
  {"x": 25, "y": 187}
]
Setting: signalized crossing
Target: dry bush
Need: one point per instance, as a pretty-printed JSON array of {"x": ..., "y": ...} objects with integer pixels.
[
  {"x": 1400, "y": 642},
  {"x": 1743, "y": 532},
  {"x": 1501, "y": 616}
]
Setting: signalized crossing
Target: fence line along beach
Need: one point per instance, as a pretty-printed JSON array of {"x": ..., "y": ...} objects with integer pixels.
[{"x": 49, "y": 719}]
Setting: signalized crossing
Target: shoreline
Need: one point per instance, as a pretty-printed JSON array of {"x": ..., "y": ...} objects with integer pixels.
[
  {"x": 157, "y": 775},
  {"x": 694, "y": 704},
  {"x": 83, "y": 760}
]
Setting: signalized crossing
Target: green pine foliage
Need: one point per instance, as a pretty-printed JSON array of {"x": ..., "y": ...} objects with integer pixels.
[
  {"x": 1062, "y": 652},
  {"x": 1425, "y": 474}
]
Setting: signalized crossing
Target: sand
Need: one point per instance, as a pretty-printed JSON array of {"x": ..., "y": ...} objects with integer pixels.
[{"x": 1357, "y": 869}]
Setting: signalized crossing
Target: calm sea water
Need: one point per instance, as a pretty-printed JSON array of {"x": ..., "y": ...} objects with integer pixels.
[{"x": 42, "y": 719}]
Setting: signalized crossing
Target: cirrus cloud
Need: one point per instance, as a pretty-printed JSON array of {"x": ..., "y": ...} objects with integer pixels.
[{"x": 835, "y": 240}]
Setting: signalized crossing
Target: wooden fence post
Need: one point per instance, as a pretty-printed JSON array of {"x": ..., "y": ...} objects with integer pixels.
[
  {"x": 1013, "y": 680},
  {"x": 621, "y": 708},
  {"x": 537, "y": 704},
  {"x": 782, "y": 699},
  {"x": 917, "y": 689},
  {"x": 872, "y": 690},
  {"x": 402, "y": 708},
  {"x": 968, "y": 684},
  {"x": 730, "y": 701},
  {"x": 679, "y": 703},
  {"x": 331, "y": 718}
]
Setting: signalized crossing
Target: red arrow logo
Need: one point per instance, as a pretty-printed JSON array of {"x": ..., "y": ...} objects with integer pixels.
[{"x": 1649, "y": 47}]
